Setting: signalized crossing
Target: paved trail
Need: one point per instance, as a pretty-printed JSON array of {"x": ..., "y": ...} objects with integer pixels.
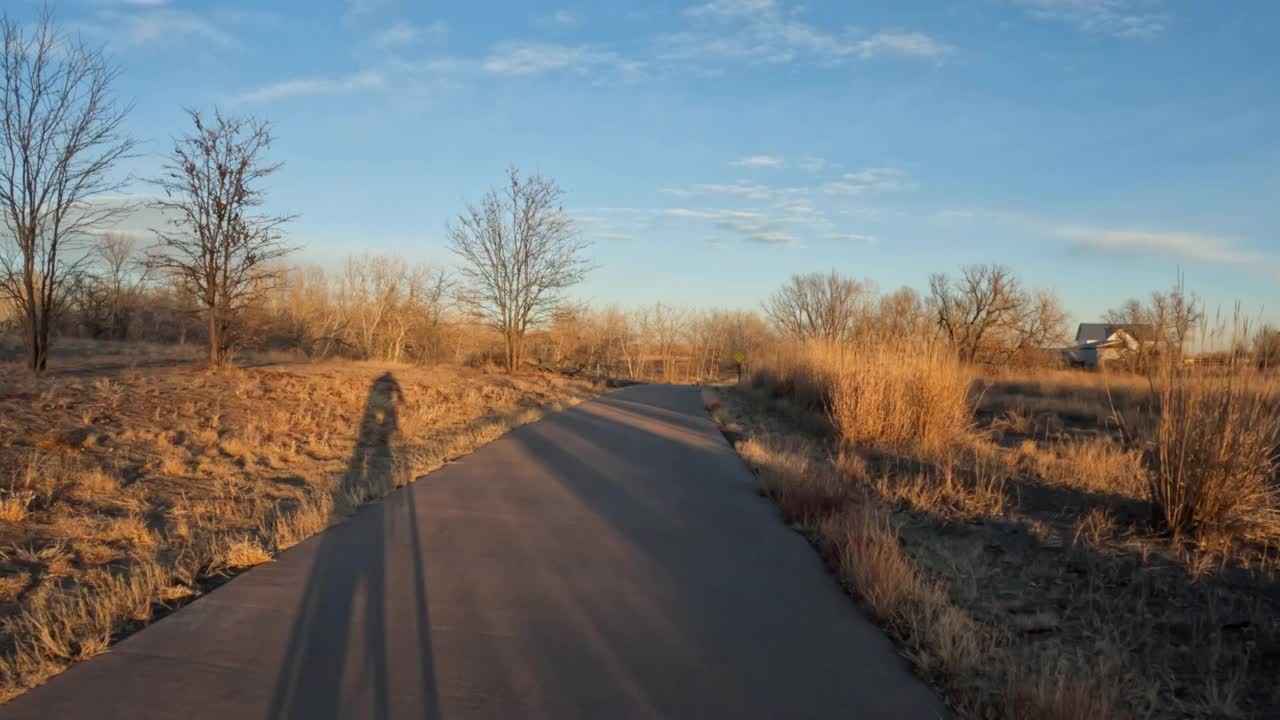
[{"x": 608, "y": 561}]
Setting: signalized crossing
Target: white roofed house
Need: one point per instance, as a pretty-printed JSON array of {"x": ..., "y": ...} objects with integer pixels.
[{"x": 1099, "y": 343}]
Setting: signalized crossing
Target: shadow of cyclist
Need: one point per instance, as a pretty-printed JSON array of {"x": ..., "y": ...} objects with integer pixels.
[{"x": 336, "y": 664}]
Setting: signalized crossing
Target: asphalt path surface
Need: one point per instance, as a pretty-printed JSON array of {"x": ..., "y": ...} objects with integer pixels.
[{"x": 608, "y": 561}]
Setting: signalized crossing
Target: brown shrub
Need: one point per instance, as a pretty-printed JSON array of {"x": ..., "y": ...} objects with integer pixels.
[
  {"x": 903, "y": 396},
  {"x": 792, "y": 473},
  {"x": 1211, "y": 455}
]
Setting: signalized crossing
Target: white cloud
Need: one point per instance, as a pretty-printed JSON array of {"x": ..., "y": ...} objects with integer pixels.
[
  {"x": 734, "y": 8},
  {"x": 368, "y": 80},
  {"x": 559, "y": 18},
  {"x": 870, "y": 180},
  {"x": 403, "y": 33},
  {"x": 853, "y": 237},
  {"x": 811, "y": 164},
  {"x": 1121, "y": 18},
  {"x": 1130, "y": 242},
  {"x": 911, "y": 44},
  {"x": 754, "y": 192},
  {"x": 759, "y": 161},
  {"x": 713, "y": 214},
  {"x": 1144, "y": 243},
  {"x": 154, "y": 24},
  {"x": 357, "y": 8},
  {"x": 757, "y": 232},
  {"x": 772, "y": 237},
  {"x": 529, "y": 58},
  {"x": 764, "y": 31}
]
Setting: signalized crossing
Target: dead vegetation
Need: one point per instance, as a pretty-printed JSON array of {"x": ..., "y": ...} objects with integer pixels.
[
  {"x": 126, "y": 492},
  {"x": 1012, "y": 531}
]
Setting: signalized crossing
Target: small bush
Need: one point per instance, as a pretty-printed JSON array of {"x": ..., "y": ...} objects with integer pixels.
[
  {"x": 903, "y": 396},
  {"x": 1212, "y": 454},
  {"x": 806, "y": 489}
]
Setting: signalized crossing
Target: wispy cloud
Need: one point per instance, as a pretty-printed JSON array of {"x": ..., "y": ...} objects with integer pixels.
[
  {"x": 870, "y": 180},
  {"x": 765, "y": 31},
  {"x": 403, "y": 33},
  {"x": 853, "y": 237},
  {"x": 755, "y": 232},
  {"x": 1129, "y": 241},
  {"x": 908, "y": 44},
  {"x": 811, "y": 164},
  {"x": 713, "y": 214},
  {"x": 770, "y": 215},
  {"x": 759, "y": 161},
  {"x": 368, "y": 80},
  {"x": 357, "y": 8},
  {"x": 750, "y": 191},
  {"x": 1145, "y": 243},
  {"x": 559, "y": 18},
  {"x": 1121, "y": 18},
  {"x": 771, "y": 237},
  {"x": 531, "y": 58},
  {"x": 153, "y": 23}
]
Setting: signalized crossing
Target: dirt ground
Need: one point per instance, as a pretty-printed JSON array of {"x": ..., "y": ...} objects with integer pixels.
[{"x": 130, "y": 484}]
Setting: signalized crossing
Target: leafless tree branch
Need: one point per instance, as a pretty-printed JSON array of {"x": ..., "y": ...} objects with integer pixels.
[
  {"x": 520, "y": 253},
  {"x": 60, "y": 137},
  {"x": 214, "y": 242}
]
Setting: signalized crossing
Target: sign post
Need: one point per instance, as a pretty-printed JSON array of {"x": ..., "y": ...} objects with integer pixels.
[{"x": 739, "y": 358}]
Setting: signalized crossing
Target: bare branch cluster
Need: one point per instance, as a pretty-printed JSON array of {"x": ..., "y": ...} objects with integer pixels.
[
  {"x": 60, "y": 138},
  {"x": 215, "y": 243},
  {"x": 820, "y": 306},
  {"x": 1173, "y": 316},
  {"x": 520, "y": 252},
  {"x": 988, "y": 316}
]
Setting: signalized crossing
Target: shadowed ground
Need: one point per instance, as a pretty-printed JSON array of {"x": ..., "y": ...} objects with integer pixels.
[{"x": 608, "y": 561}]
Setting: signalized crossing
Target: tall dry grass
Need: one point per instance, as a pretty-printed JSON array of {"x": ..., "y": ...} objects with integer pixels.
[
  {"x": 906, "y": 396},
  {"x": 961, "y": 542},
  {"x": 1211, "y": 453}
]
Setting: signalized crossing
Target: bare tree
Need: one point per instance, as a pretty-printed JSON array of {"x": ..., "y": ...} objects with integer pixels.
[
  {"x": 1266, "y": 347},
  {"x": 60, "y": 138},
  {"x": 1041, "y": 324},
  {"x": 1171, "y": 317},
  {"x": 122, "y": 276},
  {"x": 215, "y": 244},
  {"x": 520, "y": 253},
  {"x": 107, "y": 292},
  {"x": 974, "y": 308},
  {"x": 827, "y": 306},
  {"x": 987, "y": 315},
  {"x": 902, "y": 315}
]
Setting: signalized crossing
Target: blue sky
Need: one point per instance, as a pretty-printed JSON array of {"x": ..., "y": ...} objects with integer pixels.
[{"x": 710, "y": 149}]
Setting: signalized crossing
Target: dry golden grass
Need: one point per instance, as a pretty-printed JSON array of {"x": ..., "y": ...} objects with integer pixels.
[
  {"x": 855, "y": 532},
  {"x": 131, "y": 488},
  {"x": 1097, "y": 464},
  {"x": 242, "y": 553},
  {"x": 790, "y": 471},
  {"x": 897, "y": 397},
  {"x": 1026, "y": 530},
  {"x": 1213, "y": 451}
]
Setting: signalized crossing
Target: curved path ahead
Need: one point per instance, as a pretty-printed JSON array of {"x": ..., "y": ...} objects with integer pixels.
[{"x": 608, "y": 561}]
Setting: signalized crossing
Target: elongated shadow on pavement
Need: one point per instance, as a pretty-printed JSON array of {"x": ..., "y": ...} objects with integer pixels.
[{"x": 336, "y": 662}]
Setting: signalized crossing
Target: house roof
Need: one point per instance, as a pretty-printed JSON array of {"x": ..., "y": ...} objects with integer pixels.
[{"x": 1092, "y": 333}]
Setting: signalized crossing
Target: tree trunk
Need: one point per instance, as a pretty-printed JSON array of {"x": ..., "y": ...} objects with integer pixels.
[
  {"x": 216, "y": 351},
  {"x": 42, "y": 343},
  {"x": 37, "y": 354},
  {"x": 512, "y": 359}
]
